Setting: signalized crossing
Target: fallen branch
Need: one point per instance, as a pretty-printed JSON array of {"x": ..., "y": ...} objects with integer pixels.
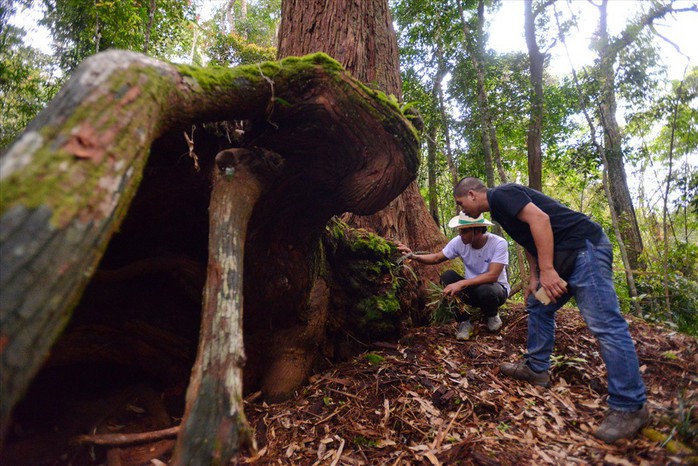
[{"x": 126, "y": 439}]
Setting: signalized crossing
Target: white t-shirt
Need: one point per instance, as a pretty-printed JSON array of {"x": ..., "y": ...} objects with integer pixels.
[{"x": 477, "y": 261}]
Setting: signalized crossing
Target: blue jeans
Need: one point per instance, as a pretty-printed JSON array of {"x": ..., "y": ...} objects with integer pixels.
[{"x": 591, "y": 283}]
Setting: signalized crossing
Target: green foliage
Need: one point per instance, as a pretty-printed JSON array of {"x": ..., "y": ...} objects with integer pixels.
[
  {"x": 26, "y": 83},
  {"x": 683, "y": 311},
  {"x": 442, "y": 309},
  {"x": 232, "y": 50},
  {"x": 83, "y": 27},
  {"x": 638, "y": 70},
  {"x": 237, "y": 38},
  {"x": 687, "y": 424}
]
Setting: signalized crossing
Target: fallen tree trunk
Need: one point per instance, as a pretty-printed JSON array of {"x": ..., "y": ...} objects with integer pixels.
[{"x": 68, "y": 181}]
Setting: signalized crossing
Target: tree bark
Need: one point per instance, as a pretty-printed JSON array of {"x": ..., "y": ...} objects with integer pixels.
[
  {"x": 618, "y": 184},
  {"x": 149, "y": 28},
  {"x": 69, "y": 179},
  {"x": 431, "y": 171},
  {"x": 536, "y": 63},
  {"x": 214, "y": 421},
  {"x": 482, "y": 104},
  {"x": 360, "y": 36},
  {"x": 438, "y": 90}
]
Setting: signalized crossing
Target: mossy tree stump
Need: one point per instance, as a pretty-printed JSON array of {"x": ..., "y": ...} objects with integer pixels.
[{"x": 68, "y": 182}]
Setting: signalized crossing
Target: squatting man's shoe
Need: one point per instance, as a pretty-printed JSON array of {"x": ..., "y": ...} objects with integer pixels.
[
  {"x": 622, "y": 424},
  {"x": 521, "y": 371},
  {"x": 494, "y": 323},
  {"x": 465, "y": 330}
]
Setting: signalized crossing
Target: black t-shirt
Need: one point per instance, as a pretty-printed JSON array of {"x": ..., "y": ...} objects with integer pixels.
[{"x": 570, "y": 228}]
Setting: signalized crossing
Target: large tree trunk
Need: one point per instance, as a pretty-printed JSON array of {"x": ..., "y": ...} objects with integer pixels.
[
  {"x": 536, "y": 63},
  {"x": 360, "y": 36},
  {"x": 69, "y": 180}
]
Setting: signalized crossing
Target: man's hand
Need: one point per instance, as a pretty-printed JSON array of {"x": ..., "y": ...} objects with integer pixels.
[
  {"x": 454, "y": 288},
  {"x": 552, "y": 283},
  {"x": 403, "y": 249}
]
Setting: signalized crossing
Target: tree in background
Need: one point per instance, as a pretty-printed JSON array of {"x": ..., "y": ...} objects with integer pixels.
[
  {"x": 26, "y": 83},
  {"x": 240, "y": 33},
  {"x": 609, "y": 51},
  {"x": 536, "y": 65},
  {"x": 80, "y": 28},
  {"x": 672, "y": 224}
]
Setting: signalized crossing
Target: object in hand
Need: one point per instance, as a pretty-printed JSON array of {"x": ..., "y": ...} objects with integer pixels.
[{"x": 542, "y": 296}]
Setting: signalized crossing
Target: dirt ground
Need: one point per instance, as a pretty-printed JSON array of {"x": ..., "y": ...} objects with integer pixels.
[
  {"x": 429, "y": 399},
  {"x": 434, "y": 400}
]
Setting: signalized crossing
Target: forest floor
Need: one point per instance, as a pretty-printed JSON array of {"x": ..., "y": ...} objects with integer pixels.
[
  {"x": 431, "y": 399},
  {"x": 427, "y": 400}
]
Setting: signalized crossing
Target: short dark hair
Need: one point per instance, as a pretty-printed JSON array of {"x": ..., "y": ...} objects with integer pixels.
[{"x": 466, "y": 184}]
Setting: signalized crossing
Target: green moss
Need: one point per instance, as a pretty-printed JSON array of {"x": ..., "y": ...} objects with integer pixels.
[
  {"x": 371, "y": 244},
  {"x": 219, "y": 77},
  {"x": 373, "y": 358},
  {"x": 362, "y": 441},
  {"x": 57, "y": 179},
  {"x": 216, "y": 77},
  {"x": 71, "y": 187},
  {"x": 374, "y": 308}
]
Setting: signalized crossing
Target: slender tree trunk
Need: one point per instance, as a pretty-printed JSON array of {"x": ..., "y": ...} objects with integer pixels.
[
  {"x": 536, "y": 63},
  {"x": 665, "y": 210},
  {"x": 149, "y": 27},
  {"x": 98, "y": 33},
  {"x": 630, "y": 278},
  {"x": 227, "y": 21},
  {"x": 431, "y": 171},
  {"x": 476, "y": 59},
  {"x": 438, "y": 89},
  {"x": 194, "y": 41},
  {"x": 360, "y": 35},
  {"x": 620, "y": 193}
]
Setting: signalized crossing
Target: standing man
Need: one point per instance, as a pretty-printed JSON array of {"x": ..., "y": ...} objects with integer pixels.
[
  {"x": 562, "y": 244},
  {"x": 484, "y": 256}
]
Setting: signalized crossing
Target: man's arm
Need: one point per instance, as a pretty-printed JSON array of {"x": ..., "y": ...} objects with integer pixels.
[
  {"x": 490, "y": 276},
  {"x": 428, "y": 259},
  {"x": 539, "y": 223}
]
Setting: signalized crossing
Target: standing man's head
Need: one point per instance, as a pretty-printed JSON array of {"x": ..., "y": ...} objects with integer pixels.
[
  {"x": 471, "y": 230},
  {"x": 471, "y": 196}
]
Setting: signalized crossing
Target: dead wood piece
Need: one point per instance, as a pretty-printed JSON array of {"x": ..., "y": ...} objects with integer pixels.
[
  {"x": 126, "y": 439},
  {"x": 214, "y": 419}
]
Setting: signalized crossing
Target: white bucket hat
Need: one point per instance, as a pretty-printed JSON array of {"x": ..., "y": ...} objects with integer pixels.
[{"x": 461, "y": 221}]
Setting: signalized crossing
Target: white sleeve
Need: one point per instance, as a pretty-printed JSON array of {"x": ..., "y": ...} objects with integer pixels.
[
  {"x": 450, "y": 251},
  {"x": 501, "y": 252}
]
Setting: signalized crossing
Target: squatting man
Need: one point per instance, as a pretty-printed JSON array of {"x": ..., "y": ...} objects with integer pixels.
[{"x": 485, "y": 257}]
